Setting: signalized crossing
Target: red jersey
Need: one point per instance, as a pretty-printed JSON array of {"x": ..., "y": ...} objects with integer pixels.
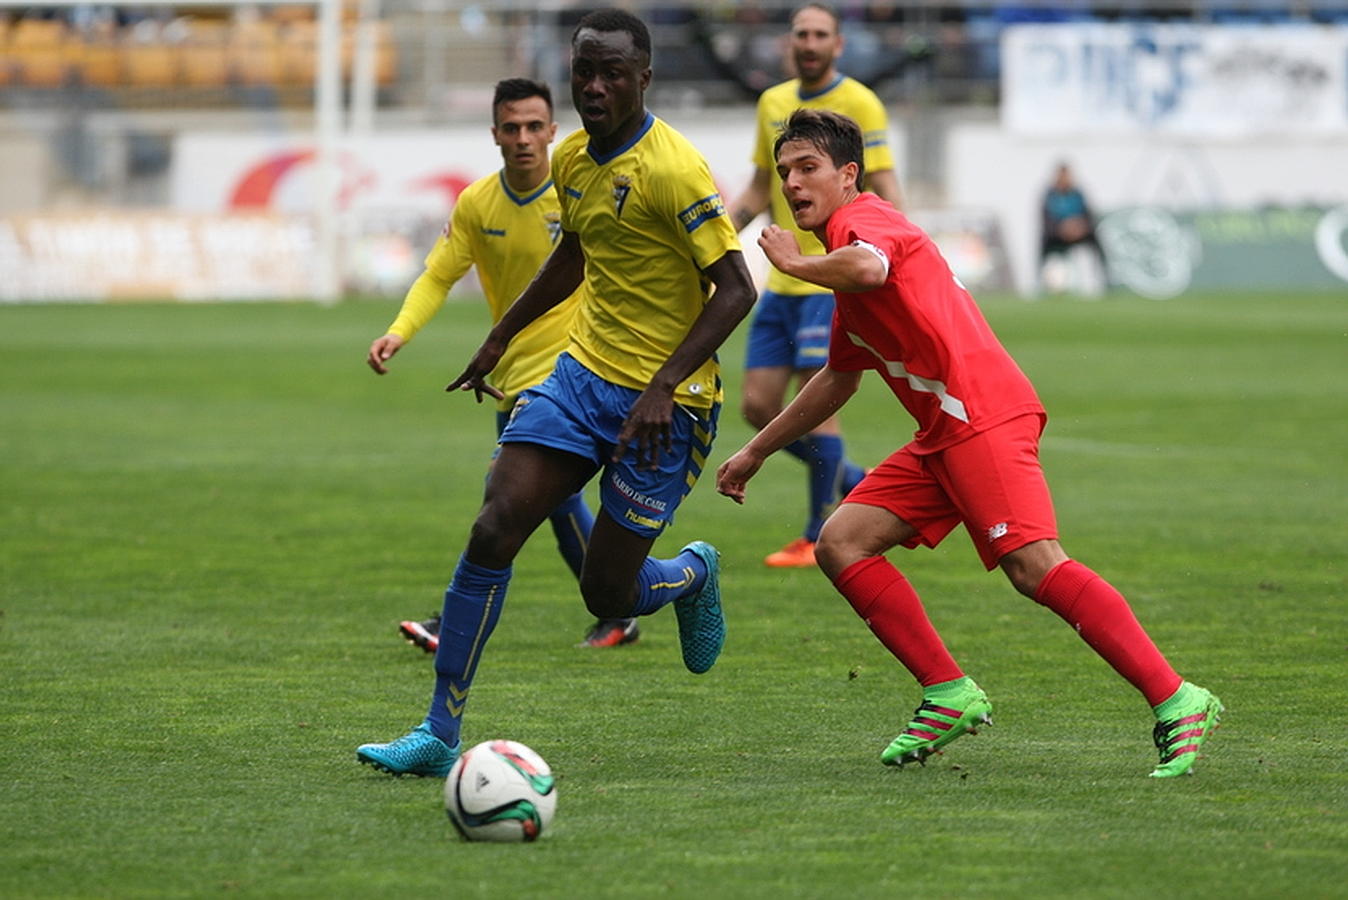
[{"x": 923, "y": 332}]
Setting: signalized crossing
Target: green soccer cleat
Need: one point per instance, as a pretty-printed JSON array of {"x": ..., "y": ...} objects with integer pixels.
[
  {"x": 701, "y": 625},
  {"x": 937, "y": 722},
  {"x": 1184, "y": 723},
  {"x": 416, "y": 753}
]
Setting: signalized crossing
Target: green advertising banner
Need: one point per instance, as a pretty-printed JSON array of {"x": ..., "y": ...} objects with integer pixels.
[{"x": 1160, "y": 253}]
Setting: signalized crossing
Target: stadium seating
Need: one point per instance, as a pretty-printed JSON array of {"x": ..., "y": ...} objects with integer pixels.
[
  {"x": 205, "y": 54},
  {"x": 255, "y": 53},
  {"x": 97, "y": 60},
  {"x": 148, "y": 60},
  {"x": 40, "y": 52}
]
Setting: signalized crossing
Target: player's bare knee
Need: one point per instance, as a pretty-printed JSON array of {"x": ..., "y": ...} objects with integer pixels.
[
  {"x": 491, "y": 542},
  {"x": 834, "y": 553},
  {"x": 1022, "y": 582},
  {"x": 1027, "y": 566}
]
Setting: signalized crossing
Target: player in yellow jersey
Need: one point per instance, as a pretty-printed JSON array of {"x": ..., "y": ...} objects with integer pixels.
[
  {"x": 506, "y": 224},
  {"x": 790, "y": 331},
  {"x": 634, "y": 398}
]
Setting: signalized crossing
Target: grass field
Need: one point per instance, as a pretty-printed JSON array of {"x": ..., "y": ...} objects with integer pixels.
[{"x": 212, "y": 518}]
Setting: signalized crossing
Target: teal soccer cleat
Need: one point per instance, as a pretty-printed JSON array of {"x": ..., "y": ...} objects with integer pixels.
[
  {"x": 416, "y": 753},
  {"x": 701, "y": 625}
]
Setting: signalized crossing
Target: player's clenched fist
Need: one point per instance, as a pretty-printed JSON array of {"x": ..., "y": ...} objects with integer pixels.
[{"x": 779, "y": 245}]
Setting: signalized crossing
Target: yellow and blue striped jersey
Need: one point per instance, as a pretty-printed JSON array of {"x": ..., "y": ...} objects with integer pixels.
[
  {"x": 775, "y": 105},
  {"x": 507, "y": 236},
  {"x": 649, "y": 219}
]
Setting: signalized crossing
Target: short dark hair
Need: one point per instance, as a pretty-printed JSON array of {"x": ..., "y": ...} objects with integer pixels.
[
  {"x": 610, "y": 20},
  {"x": 823, "y": 8},
  {"x": 512, "y": 89},
  {"x": 832, "y": 133}
]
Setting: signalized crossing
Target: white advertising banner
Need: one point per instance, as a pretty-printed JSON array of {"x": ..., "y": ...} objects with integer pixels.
[
  {"x": 123, "y": 255},
  {"x": 1183, "y": 80}
]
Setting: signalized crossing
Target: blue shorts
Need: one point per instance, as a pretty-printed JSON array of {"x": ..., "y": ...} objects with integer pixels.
[
  {"x": 790, "y": 331},
  {"x": 577, "y": 411}
]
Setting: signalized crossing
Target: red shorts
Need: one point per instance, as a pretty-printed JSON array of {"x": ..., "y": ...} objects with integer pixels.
[{"x": 992, "y": 482}]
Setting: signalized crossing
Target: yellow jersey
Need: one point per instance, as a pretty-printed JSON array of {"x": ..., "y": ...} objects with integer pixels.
[
  {"x": 507, "y": 236},
  {"x": 775, "y": 105},
  {"x": 649, "y": 219}
]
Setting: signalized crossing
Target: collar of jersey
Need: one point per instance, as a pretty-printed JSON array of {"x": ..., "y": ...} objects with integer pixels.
[
  {"x": 822, "y": 91},
  {"x": 609, "y": 157},
  {"x": 526, "y": 200}
]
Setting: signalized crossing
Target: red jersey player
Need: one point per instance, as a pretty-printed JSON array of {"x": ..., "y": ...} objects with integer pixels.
[{"x": 974, "y": 460}]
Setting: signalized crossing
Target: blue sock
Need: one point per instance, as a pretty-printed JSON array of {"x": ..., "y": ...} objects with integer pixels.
[
  {"x": 472, "y": 607},
  {"x": 571, "y": 523},
  {"x": 851, "y": 477},
  {"x": 802, "y": 449},
  {"x": 663, "y": 580},
  {"x": 825, "y": 478}
]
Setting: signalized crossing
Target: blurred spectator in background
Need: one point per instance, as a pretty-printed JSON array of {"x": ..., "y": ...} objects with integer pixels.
[{"x": 1066, "y": 260}]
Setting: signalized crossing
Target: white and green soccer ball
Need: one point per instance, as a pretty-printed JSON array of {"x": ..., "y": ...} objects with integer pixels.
[{"x": 500, "y": 791}]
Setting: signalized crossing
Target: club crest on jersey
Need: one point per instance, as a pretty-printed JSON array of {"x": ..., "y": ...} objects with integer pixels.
[
  {"x": 622, "y": 186},
  {"x": 554, "y": 222}
]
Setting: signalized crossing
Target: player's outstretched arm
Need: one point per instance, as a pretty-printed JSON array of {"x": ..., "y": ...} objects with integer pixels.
[
  {"x": 424, "y": 299},
  {"x": 821, "y": 397},
  {"x": 647, "y": 423},
  {"x": 848, "y": 270},
  {"x": 557, "y": 279}
]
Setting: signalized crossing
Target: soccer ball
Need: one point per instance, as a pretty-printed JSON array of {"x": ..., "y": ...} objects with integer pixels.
[{"x": 500, "y": 791}]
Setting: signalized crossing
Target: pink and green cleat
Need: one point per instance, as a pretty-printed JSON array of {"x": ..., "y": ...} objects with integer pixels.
[
  {"x": 1183, "y": 724},
  {"x": 938, "y": 721}
]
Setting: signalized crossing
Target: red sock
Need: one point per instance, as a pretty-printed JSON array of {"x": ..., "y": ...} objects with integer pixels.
[
  {"x": 893, "y": 611},
  {"x": 1104, "y": 620}
]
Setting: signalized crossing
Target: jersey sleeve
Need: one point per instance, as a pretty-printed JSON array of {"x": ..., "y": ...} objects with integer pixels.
[
  {"x": 874, "y": 122},
  {"x": 424, "y": 299},
  {"x": 452, "y": 254},
  {"x": 700, "y": 212},
  {"x": 447, "y": 262},
  {"x": 763, "y": 136},
  {"x": 561, "y": 171},
  {"x": 858, "y": 221}
]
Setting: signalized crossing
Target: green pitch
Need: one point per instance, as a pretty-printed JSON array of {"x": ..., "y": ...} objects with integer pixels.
[{"x": 212, "y": 518}]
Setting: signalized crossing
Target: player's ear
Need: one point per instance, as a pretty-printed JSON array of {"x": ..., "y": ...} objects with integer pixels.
[
  {"x": 552, "y": 131},
  {"x": 645, "y": 78}
]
